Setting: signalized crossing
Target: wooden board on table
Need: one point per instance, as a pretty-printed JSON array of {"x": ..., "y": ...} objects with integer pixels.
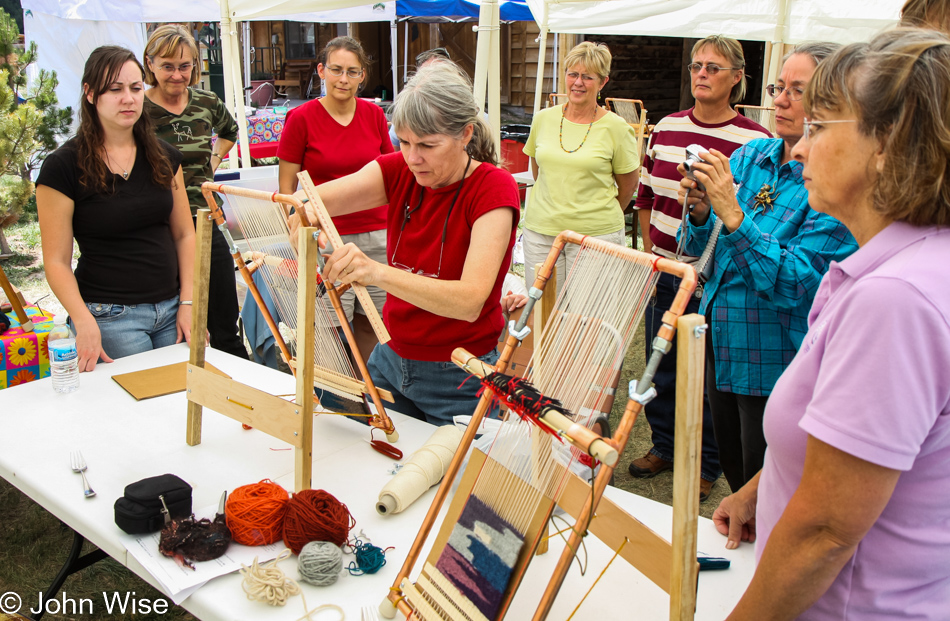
[{"x": 158, "y": 381}]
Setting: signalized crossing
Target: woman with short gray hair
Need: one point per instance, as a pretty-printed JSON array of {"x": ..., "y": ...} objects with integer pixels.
[{"x": 452, "y": 217}]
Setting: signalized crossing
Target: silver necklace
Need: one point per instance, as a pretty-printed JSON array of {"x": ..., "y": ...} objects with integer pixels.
[{"x": 125, "y": 172}]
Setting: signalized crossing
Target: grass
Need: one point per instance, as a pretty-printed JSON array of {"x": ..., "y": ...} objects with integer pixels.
[{"x": 34, "y": 543}]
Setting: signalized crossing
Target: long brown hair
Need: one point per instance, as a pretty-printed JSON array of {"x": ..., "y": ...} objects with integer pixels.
[{"x": 101, "y": 70}]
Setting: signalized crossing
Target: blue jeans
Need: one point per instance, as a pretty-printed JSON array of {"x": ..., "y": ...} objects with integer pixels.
[
  {"x": 661, "y": 412},
  {"x": 429, "y": 391},
  {"x": 128, "y": 329}
]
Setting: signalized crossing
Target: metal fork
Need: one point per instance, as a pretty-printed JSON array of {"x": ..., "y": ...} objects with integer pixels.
[
  {"x": 78, "y": 464},
  {"x": 369, "y": 613}
]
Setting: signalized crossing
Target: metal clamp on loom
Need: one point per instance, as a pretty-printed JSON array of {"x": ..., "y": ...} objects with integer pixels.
[
  {"x": 520, "y": 330},
  {"x": 223, "y": 227},
  {"x": 642, "y": 391}
]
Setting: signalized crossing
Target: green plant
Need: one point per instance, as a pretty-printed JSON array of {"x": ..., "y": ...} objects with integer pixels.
[{"x": 30, "y": 121}]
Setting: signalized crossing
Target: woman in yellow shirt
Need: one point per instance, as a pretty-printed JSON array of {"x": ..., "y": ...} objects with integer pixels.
[{"x": 585, "y": 161}]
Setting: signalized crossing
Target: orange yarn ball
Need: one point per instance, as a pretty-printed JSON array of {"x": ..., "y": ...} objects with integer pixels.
[
  {"x": 316, "y": 515},
  {"x": 255, "y": 513}
]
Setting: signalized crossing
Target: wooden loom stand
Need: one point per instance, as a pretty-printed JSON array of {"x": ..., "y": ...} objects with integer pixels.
[
  {"x": 677, "y": 571},
  {"x": 16, "y": 300},
  {"x": 290, "y": 422},
  {"x": 382, "y": 421}
]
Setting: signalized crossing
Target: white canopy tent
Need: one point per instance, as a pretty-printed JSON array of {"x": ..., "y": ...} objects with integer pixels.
[
  {"x": 773, "y": 21},
  {"x": 66, "y": 31}
]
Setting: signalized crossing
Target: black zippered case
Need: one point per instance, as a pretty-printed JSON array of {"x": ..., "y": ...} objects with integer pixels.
[{"x": 139, "y": 511}]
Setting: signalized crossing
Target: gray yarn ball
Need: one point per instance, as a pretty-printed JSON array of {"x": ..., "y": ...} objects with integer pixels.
[{"x": 320, "y": 563}]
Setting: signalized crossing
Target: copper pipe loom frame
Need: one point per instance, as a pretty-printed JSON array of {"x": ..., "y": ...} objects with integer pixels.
[{"x": 671, "y": 565}]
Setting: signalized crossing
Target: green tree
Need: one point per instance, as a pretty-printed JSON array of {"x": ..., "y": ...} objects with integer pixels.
[
  {"x": 30, "y": 121},
  {"x": 15, "y": 9}
]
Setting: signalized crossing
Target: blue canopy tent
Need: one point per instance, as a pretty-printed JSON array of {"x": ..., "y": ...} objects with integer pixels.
[{"x": 461, "y": 10}]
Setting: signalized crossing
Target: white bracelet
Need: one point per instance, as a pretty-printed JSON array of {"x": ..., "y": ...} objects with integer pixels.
[{"x": 184, "y": 303}]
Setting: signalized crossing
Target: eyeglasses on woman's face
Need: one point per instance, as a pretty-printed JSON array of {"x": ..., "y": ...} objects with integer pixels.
[
  {"x": 794, "y": 93},
  {"x": 170, "y": 69},
  {"x": 711, "y": 68},
  {"x": 573, "y": 75},
  {"x": 813, "y": 127},
  {"x": 336, "y": 70}
]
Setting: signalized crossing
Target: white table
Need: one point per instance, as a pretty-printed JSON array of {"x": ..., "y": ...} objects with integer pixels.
[{"x": 124, "y": 441}]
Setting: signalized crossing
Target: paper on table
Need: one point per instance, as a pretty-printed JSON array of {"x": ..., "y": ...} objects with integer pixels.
[{"x": 179, "y": 582}]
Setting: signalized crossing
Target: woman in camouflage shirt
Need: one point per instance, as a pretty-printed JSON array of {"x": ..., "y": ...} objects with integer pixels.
[{"x": 185, "y": 117}]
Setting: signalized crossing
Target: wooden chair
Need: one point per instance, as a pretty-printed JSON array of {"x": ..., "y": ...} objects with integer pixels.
[
  {"x": 763, "y": 115},
  {"x": 296, "y": 74},
  {"x": 556, "y": 99},
  {"x": 16, "y": 301},
  {"x": 633, "y": 112}
]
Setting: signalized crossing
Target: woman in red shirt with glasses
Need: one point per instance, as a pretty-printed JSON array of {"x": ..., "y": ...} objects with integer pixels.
[{"x": 451, "y": 221}]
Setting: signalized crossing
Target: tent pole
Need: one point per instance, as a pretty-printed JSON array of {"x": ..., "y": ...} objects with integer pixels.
[
  {"x": 246, "y": 52},
  {"x": 394, "y": 49},
  {"x": 482, "y": 53},
  {"x": 542, "y": 52},
  {"x": 233, "y": 87},
  {"x": 777, "y": 49},
  {"x": 494, "y": 76}
]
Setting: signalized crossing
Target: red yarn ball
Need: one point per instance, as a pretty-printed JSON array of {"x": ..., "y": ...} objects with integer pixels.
[
  {"x": 316, "y": 515},
  {"x": 255, "y": 513}
]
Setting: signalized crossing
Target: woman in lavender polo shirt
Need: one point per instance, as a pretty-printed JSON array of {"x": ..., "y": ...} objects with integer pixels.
[{"x": 851, "y": 511}]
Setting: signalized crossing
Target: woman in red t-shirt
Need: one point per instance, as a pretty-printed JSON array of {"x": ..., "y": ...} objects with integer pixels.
[
  {"x": 452, "y": 216},
  {"x": 332, "y": 137}
]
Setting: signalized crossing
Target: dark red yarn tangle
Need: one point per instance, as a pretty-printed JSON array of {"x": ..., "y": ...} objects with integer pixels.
[
  {"x": 524, "y": 399},
  {"x": 316, "y": 515}
]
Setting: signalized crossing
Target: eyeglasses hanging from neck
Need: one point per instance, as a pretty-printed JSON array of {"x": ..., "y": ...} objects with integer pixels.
[{"x": 445, "y": 228}]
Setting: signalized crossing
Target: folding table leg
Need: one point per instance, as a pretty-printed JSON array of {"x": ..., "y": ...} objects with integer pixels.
[{"x": 74, "y": 562}]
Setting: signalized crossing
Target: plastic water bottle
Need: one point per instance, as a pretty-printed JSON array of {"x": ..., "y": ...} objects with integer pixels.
[{"x": 63, "y": 358}]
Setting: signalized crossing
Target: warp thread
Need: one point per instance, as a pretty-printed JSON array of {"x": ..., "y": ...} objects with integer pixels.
[
  {"x": 423, "y": 470},
  {"x": 255, "y": 513},
  {"x": 369, "y": 558},
  {"x": 320, "y": 563},
  {"x": 316, "y": 515}
]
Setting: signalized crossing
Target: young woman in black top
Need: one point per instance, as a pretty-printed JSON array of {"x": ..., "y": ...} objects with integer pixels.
[{"x": 118, "y": 191}]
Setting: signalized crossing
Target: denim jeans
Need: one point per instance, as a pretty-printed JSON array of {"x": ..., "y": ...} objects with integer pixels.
[
  {"x": 430, "y": 391},
  {"x": 128, "y": 329},
  {"x": 661, "y": 412}
]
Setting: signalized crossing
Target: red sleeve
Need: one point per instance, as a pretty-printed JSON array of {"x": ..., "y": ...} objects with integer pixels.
[
  {"x": 293, "y": 138},
  {"x": 497, "y": 190}
]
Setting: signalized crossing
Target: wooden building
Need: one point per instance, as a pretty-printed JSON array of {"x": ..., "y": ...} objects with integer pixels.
[{"x": 652, "y": 69}]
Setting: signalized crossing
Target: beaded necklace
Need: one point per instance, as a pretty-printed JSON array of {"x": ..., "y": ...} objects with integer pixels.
[{"x": 560, "y": 133}]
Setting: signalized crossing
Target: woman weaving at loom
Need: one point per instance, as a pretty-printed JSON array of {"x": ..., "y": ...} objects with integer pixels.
[
  {"x": 332, "y": 137},
  {"x": 850, "y": 509},
  {"x": 119, "y": 192},
  {"x": 452, "y": 217},
  {"x": 770, "y": 256}
]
